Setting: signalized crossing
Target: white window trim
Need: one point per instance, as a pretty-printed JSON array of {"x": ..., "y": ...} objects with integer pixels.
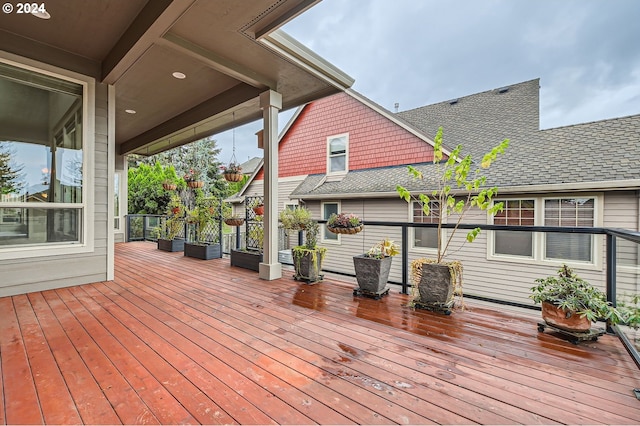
[
  {"x": 412, "y": 234},
  {"x": 539, "y": 240},
  {"x": 337, "y": 241},
  {"x": 346, "y": 155},
  {"x": 88, "y": 141}
]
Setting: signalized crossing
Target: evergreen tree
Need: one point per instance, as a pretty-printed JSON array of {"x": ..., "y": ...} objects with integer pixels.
[{"x": 10, "y": 177}]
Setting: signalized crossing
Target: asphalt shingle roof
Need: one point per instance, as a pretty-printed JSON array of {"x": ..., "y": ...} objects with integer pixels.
[{"x": 607, "y": 150}]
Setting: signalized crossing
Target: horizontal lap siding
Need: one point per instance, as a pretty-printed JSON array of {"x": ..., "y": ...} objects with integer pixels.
[
  {"x": 509, "y": 280},
  {"x": 20, "y": 276}
]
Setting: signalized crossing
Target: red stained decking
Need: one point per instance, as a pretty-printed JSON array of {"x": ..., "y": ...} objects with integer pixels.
[{"x": 179, "y": 340}]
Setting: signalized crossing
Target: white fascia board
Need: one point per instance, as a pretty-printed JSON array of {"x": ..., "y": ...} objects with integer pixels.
[{"x": 306, "y": 59}]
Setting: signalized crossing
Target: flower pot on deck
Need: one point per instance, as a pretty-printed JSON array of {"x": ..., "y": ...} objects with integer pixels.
[
  {"x": 372, "y": 274},
  {"x": 203, "y": 251},
  {"x": 177, "y": 244},
  {"x": 246, "y": 259}
]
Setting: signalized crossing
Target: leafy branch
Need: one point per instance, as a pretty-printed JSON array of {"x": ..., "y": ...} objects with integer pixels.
[{"x": 456, "y": 176}]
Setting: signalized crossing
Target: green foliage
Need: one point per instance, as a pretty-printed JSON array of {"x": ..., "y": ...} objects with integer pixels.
[
  {"x": 456, "y": 177},
  {"x": 146, "y": 194},
  {"x": 295, "y": 219},
  {"x": 174, "y": 222},
  {"x": 629, "y": 308},
  {"x": 384, "y": 248},
  {"x": 202, "y": 215},
  {"x": 572, "y": 293},
  {"x": 10, "y": 179}
]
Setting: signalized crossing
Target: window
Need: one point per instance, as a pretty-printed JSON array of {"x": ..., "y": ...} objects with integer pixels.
[
  {"x": 116, "y": 202},
  {"x": 425, "y": 237},
  {"x": 41, "y": 159},
  {"x": 516, "y": 213},
  {"x": 573, "y": 212},
  {"x": 337, "y": 161},
  {"x": 327, "y": 210},
  {"x": 543, "y": 246}
]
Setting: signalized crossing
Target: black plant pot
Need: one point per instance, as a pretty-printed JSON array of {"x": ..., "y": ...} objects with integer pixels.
[
  {"x": 435, "y": 289},
  {"x": 306, "y": 268},
  {"x": 177, "y": 244},
  {"x": 372, "y": 274},
  {"x": 203, "y": 251},
  {"x": 246, "y": 259}
]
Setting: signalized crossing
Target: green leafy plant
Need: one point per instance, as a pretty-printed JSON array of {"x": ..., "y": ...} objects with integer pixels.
[
  {"x": 384, "y": 248},
  {"x": 456, "y": 177},
  {"x": 629, "y": 307},
  {"x": 572, "y": 293},
  {"x": 344, "y": 220},
  {"x": 173, "y": 224},
  {"x": 295, "y": 219}
]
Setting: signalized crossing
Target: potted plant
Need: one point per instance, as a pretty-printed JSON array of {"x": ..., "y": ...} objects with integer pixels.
[
  {"x": 232, "y": 172},
  {"x": 344, "y": 223},
  {"x": 435, "y": 279},
  {"x": 258, "y": 207},
  {"x": 192, "y": 178},
  {"x": 570, "y": 303},
  {"x": 169, "y": 185},
  {"x": 308, "y": 258},
  {"x": 372, "y": 268},
  {"x": 295, "y": 219},
  {"x": 172, "y": 226},
  {"x": 250, "y": 257},
  {"x": 204, "y": 237}
]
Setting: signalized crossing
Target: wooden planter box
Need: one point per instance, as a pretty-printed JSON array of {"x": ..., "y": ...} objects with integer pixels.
[
  {"x": 372, "y": 274},
  {"x": 203, "y": 251},
  {"x": 177, "y": 244},
  {"x": 246, "y": 259}
]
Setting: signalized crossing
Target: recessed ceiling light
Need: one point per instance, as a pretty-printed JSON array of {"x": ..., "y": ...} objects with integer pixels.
[
  {"x": 40, "y": 12},
  {"x": 179, "y": 75},
  {"x": 130, "y": 111}
]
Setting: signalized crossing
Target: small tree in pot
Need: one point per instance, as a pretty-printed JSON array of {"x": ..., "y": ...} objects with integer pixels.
[
  {"x": 307, "y": 258},
  {"x": 373, "y": 267},
  {"x": 456, "y": 189}
]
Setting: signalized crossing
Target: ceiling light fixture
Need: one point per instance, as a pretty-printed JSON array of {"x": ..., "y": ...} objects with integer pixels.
[
  {"x": 130, "y": 111},
  {"x": 179, "y": 75},
  {"x": 39, "y": 12}
]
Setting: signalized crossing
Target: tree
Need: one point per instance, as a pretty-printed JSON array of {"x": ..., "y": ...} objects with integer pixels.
[
  {"x": 10, "y": 177},
  {"x": 146, "y": 194}
]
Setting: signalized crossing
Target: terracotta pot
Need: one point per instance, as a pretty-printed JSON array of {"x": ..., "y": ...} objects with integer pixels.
[
  {"x": 565, "y": 320},
  {"x": 259, "y": 210}
]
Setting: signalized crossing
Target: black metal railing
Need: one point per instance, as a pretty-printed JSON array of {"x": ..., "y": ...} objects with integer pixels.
[{"x": 616, "y": 270}]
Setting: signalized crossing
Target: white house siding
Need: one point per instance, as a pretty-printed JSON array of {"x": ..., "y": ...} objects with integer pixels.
[
  {"x": 483, "y": 276},
  {"x": 19, "y": 276}
]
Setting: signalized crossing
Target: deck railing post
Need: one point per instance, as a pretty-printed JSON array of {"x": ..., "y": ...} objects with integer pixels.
[
  {"x": 405, "y": 259},
  {"x": 611, "y": 268},
  {"x": 238, "y": 237}
]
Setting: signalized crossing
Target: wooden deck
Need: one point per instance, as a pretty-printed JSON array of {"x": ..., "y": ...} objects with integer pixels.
[{"x": 178, "y": 340}]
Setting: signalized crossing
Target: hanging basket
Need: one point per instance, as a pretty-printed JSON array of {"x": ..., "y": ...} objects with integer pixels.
[
  {"x": 350, "y": 230},
  {"x": 195, "y": 184},
  {"x": 169, "y": 186},
  {"x": 234, "y": 221},
  {"x": 233, "y": 177}
]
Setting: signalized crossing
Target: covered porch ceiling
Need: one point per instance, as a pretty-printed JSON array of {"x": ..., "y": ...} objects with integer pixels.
[{"x": 230, "y": 51}]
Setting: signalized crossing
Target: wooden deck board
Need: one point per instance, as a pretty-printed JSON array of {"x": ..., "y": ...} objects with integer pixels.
[{"x": 178, "y": 340}]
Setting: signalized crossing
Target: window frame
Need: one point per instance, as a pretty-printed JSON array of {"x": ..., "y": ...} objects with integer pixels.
[
  {"x": 539, "y": 238},
  {"x": 412, "y": 233},
  {"x": 323, "y": 239},
  {"x": 330, "y": 156},
  {"x": 86, "y": 207}
]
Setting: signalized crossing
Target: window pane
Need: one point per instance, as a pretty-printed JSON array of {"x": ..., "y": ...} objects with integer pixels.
[
  {"x": 37, "y": 226},
  {"x": 568, "y": 246},
  {"x": 514, "y": 243},
  {"x": 327, "y": 210},
  {"x": 337, "y": 146},
  {"x": 338, "y": 164},
  {"x": 425, "y": 237},
  {"x": 40, "y": 138}
]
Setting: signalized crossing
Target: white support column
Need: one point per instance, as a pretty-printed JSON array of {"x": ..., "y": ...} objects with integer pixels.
[{"x": 271, "y": 103}]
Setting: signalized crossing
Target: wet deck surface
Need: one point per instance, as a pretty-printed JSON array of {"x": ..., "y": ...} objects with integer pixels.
[{"x": 179, "y": 340}]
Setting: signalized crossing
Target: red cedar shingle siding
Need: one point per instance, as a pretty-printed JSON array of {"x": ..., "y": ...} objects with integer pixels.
[{"x": 374, "y": 140}]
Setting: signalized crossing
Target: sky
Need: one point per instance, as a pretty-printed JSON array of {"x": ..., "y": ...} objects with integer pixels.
[{"x": 586, "y": 54}]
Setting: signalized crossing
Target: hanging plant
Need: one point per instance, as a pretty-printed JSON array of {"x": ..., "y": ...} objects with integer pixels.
[
  {"x": 344, "y": 223},
  {"x": 193, "y": 179},
  {"x": 232, "y": 172}
]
